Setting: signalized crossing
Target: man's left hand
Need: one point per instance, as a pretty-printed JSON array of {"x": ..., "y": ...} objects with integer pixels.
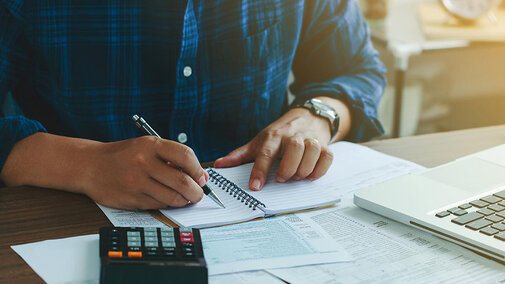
[{"x": 299, "y": 138}]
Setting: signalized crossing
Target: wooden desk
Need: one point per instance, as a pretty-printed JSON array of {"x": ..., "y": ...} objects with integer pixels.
[{"x": 30, "y": 214}]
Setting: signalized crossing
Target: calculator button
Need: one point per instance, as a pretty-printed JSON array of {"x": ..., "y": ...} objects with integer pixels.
[
  {"x": 189, "y": 254},
  {"x": 185, "y": 230},
  {"x": 187, "y": 244},
  {"x": 114, "y": 230},
  {"x": 168, "y": 239},
  {"x": 134, "y": 244},
  {"x": 134, "y": 254},
  {"x": 187, "y": 249},
  {"x": 115, "y": 254},
  {"x": 189, "y": 235},
  {"x": 150, "y": 234},
  {"x": 133, "y": 234},
  {"x": 187, "y": 240},
  {"x": 133, "y": 239},
  {"x": 169, "y": 253},
  {"x": 150, "y": 229},
  {"x": 167, "y": 234},
  {"x": 152, "y": 249},
  {"x": 150, "y": 239},
  {"x": 165, "y": 229},
  {"x": 151, "y": 244},
  {"x": 115, "y": 248},
  {"x": 168, "y": 244},
  {"x": 134, "y": 248},
  {"x": 169, "y": 249},
  {"x": 115, "y": 238},
  {"x": 114, "y": 243},
  {"x": 152, "y": 253}
]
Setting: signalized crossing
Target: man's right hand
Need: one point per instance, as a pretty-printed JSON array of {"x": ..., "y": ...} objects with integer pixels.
[{"x": 143, "y": 173}]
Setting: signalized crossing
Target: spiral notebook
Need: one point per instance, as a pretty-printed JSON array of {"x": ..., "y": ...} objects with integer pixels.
[{"x": 243, "y": 204}]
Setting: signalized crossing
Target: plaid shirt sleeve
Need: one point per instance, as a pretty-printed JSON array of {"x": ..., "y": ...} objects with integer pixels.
[
  {"x": 336, "y": 58},
  {"x": 12, "y": 58}
]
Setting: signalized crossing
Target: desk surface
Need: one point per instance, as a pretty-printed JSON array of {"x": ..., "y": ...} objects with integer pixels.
[{"x": 31, "y": 214}]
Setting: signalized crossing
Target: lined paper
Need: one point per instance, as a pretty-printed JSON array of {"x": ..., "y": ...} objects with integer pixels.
[
  {"x": 285, "y": 197},
  {"x": 207, "y": 213}
]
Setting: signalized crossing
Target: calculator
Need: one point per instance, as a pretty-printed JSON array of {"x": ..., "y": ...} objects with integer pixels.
[{"x": 151, "y": 255}]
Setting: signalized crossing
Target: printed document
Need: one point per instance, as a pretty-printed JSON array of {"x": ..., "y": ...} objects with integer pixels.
[{"x": 282, "y": 241}]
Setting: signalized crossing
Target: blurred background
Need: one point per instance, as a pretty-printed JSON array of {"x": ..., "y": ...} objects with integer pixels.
[{"x": 445, "y": 60}]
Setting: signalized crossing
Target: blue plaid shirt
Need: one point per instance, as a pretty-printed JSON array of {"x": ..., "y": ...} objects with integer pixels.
[{"x": 214, "y": 70}]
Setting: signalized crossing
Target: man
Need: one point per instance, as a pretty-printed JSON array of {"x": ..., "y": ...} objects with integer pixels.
[{"x": 208, "y": 75}]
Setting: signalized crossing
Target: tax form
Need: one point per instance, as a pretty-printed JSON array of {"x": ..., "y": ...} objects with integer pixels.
[{"x": 282, "y": 241}]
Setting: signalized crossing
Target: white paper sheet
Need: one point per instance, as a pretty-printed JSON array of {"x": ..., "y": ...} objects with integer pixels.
[
  {"x": 270, "y": 243},
  {"x": 75, "y": 260},
  {"x": 130, "y": 218},
  {"x": 389, "y": 252},
  {"x": 72, "y": 260}
]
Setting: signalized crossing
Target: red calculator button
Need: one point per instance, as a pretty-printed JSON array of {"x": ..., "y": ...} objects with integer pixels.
[
  {"x": 187, "y": 240},
  {"x": 115, "y": 254},
  {"x": 134, "y": 254},
  {"x": 186, "y": 234}
]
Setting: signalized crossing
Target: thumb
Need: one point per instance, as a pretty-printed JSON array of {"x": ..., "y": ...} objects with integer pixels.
[{"x": 237, "y": 157}]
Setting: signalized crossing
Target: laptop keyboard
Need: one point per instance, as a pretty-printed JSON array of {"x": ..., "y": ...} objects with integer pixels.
[{"x": 486, "y": 215}]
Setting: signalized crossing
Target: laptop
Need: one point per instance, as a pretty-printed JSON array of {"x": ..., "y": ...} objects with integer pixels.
[{"x": 462, "y": 201}]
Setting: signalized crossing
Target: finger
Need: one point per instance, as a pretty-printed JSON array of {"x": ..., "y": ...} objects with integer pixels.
[
  {"x": 264, "y": 159},
  {"x": 176, "y": 180},
  {"x": 322, "y": 165},
  {"x": 291, "y": 158},
  {"x": 165, "y": 195},
  {"x": 237, "y": 157},
  {"x": 309, "y": 160},
  {"x": 182, "y": 156}
]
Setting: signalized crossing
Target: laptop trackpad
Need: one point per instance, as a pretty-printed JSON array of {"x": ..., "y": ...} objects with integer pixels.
[{"x": 472, "y": 175}]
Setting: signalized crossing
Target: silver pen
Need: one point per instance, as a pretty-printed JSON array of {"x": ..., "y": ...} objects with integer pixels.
[{"x": 142, "y": 124}]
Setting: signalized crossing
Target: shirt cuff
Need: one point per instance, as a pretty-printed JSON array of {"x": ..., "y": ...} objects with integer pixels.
[
  {"x": 364, "y": 127},
  {"x": 14, "y": 129}
]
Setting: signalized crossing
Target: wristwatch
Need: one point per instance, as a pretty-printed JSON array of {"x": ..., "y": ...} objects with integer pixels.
[{"x": 319, "y": 108}]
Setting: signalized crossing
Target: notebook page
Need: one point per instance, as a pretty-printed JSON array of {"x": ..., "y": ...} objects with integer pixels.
[
  {"x": 207, "y": 213},
  {"x": 290, "y": 196}
]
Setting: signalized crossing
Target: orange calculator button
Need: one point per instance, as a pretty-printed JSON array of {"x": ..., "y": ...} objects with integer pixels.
[
  {"x": 115, "y": 254},
  {"x": 134, "y": 254}
]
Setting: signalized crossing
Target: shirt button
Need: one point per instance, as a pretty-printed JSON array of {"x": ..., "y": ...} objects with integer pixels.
[
  {"x": 182, "y": 138},
  {"x": 187, "y": 71}
]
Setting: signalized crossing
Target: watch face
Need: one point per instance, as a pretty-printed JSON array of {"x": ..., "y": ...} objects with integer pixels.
[{"x": 469, "y": 9}]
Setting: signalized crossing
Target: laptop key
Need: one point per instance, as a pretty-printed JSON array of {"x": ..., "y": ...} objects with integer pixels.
[
  {"x": 443, "y": 214},
  {"x": 500, "y": 236},
  {"x": 466, "y": 206},
  {"x": 494, "y": 218},
  {"x": 453, "y": 209},
  {"x": 478, "y": 224},
  {"x": 490, "y": 199},
  {"x": 500, "y": 194},
  {"x": 465, "y": 219},
  {"x": 496, "y": 207},
  {"x": 502, "y": 203},
  {"x": 479, "y": 203},
  {"x": 498, "y": 226},
  {"x": 501, "y": 214},
  {"x": 485, "y": 212},
  {"x": 489, "y": 231},
  {"x": 460, "y": 213}
]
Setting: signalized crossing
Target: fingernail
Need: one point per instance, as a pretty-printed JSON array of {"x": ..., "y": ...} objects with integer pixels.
[
  {"x": 280, "y": 179},
  {"x": 202, "y": 181},
  {"x": 206, "y": 177},
  {"x": 256, "y": 184}
]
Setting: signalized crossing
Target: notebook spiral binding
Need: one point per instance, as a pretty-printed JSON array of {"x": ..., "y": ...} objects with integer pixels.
[{"x": 234, "y": 190}]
